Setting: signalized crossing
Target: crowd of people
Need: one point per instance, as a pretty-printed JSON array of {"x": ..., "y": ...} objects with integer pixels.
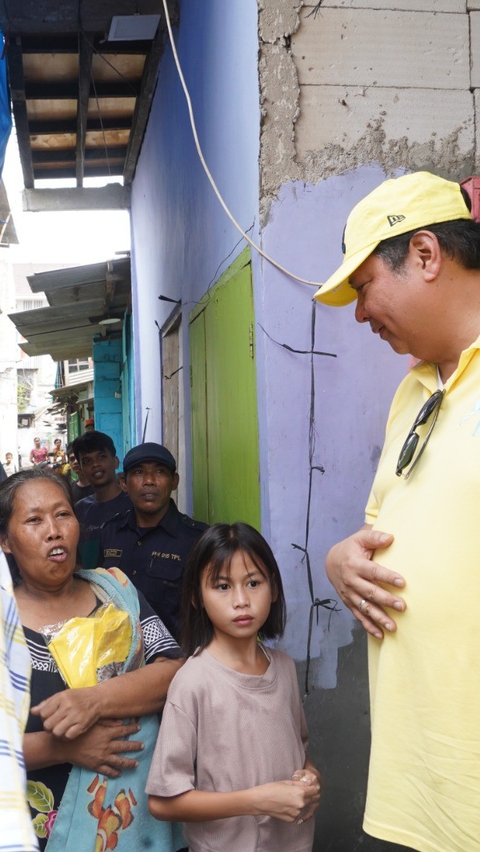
[
  {"x": 196, "y": 608},
  {"x": 99, "y": 774}
]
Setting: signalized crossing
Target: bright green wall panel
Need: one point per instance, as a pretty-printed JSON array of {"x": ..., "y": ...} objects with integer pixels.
[
  {"x": 225, "y": 433},
  {"x": 199, "y": 415}
]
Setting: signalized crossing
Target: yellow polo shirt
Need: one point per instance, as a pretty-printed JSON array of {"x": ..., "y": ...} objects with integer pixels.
[{"x": 424, "y": 777}]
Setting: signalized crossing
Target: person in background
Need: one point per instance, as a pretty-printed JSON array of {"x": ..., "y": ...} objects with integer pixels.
[
  {"x": 16, "y": 831},
  {"x": 80, "y": 485},
  {"x": 152, "y": 540},
  {"x": 97, "y": 457},
  {"x": 60, "y": 458},
  {"x": 39, "y": 453},
  {"x": 9, "y": 466},
  {"x": 89, "y": 425}
]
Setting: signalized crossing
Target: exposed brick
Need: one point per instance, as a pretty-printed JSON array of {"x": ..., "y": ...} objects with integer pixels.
[{"x": 359, "y": 47}]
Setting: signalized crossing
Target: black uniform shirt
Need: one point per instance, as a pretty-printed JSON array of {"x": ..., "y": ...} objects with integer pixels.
[{"x": 152, "y": 557}]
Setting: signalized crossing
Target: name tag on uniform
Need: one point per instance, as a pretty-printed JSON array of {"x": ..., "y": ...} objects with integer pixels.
[
  {"x": 156, "y": 554},
  {"x": 112, "y": 552}
]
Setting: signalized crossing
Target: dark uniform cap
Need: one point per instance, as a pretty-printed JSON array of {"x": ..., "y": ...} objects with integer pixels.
[{"x": 149, "y": 452}]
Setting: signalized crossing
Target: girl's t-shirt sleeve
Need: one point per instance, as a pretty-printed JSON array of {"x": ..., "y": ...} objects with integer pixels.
[{"x": 172, "y": 771}]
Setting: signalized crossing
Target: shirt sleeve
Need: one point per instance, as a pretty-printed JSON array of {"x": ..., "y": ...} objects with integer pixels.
[
  {"x": 172, "y": 770},
  {"x": 157, "y": 640}
]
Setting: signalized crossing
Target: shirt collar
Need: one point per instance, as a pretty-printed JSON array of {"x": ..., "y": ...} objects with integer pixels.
[
  {"x": 169, "y": 521},
  {"x": 426, "y": 372}
]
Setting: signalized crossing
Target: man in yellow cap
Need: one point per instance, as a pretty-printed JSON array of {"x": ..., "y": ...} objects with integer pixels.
[{"x": 412, "y": 263}]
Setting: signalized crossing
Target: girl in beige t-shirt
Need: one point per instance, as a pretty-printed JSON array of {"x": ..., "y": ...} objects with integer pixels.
[{"x": 230, "y": 760}]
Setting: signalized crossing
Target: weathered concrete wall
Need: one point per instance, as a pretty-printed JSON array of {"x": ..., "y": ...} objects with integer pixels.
[
  {"x": 352, "y": 91},
  {"x": 359, "y": 81}
]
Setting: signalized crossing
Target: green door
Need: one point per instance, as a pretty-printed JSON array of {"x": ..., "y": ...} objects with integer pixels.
[{"x": 226, "y": 482}]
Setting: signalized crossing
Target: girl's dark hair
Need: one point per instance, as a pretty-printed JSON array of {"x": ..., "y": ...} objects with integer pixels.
[
  {"x": 215, "y": 550},
  {"x": 8, "y": 491}
]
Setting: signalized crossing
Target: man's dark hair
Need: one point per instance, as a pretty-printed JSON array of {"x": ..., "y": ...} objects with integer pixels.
[
  {"x": 214, "y": 551},
  {"x": 93, "y": 442},
  {"x": 459, "y": 239}
]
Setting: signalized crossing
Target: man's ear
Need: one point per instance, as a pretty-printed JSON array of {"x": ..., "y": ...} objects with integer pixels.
[
  {"x": 425, "y": 250},
  {"x": 117, "y": 462},
  {"x": 123, "y": 482},
  {"x": 175, "y": 481}
]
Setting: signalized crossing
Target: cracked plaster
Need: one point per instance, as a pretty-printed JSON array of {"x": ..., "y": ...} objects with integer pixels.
[{"x": 280, "y": 91}]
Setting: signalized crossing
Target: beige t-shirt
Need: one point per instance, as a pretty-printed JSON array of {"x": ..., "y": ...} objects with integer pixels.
[{"x": 223, "y": 731}]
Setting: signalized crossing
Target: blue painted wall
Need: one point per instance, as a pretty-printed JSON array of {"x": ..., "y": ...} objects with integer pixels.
[
  {"x": 107, "y": 364},
  {"x": 181, "y": 238}
]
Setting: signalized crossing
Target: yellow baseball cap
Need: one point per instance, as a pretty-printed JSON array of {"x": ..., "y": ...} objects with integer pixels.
[{"x": 395, "y": 207}]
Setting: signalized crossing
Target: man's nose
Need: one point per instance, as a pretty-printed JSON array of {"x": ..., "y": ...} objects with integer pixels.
[{"x": 361, "y": 315}]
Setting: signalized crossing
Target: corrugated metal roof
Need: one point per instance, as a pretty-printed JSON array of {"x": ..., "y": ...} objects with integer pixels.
[{"x": 79, "y": 299}]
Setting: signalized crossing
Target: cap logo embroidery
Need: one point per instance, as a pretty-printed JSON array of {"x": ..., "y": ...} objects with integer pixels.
[{"x": 394, "y": 220}]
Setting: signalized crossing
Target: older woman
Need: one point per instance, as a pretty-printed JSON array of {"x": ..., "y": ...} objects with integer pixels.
[{"x": 76, "y": 746}]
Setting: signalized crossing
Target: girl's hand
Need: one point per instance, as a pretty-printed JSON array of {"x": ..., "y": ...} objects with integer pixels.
[
  {"x": 69, "y": 714},
  {"x": 287, "y": 800},
  {"x": 310, "y": 776},
  {"x": 102, "y": 749}
]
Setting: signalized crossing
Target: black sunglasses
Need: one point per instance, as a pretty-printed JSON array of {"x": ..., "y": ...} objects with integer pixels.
[{"x": 431, "y": 406}]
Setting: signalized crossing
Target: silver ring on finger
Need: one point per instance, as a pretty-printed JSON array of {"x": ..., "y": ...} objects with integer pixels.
[{"x": 362, "y": 602}]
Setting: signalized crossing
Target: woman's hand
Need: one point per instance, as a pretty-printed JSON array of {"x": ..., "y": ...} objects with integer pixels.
[
  {"x": 102, "y": 749},
  {"x": 70, "y": 713}
]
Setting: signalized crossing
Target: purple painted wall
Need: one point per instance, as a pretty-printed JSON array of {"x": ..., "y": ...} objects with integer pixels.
[
  {"x": 182, "y": 240},
  {"x": 352, "y": 396}
]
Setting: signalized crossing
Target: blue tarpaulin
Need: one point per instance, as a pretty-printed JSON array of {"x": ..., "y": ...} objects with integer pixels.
[{"x": 5, "y": 114}]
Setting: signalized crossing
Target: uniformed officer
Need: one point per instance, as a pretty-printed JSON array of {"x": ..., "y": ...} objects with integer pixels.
[{"x": 151, "y": 542}]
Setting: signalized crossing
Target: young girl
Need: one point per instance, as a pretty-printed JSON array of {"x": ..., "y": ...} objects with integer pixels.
[{"x": 230, "y": 759}]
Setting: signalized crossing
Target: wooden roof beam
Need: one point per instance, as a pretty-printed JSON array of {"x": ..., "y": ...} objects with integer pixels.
[
  {"x": 69, "y": 91},
  {"x": 143, "y": 103},
  {"x": 52, "y": 126},
  {"x": 85, "y": 53},
  {"x": 17, "y": 92}
]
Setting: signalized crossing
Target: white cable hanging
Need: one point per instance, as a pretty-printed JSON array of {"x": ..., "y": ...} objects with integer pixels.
[{"x": 207, "y": 170}]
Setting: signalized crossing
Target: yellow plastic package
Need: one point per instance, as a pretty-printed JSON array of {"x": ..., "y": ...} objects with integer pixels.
[{"x": 88, "y": 650}]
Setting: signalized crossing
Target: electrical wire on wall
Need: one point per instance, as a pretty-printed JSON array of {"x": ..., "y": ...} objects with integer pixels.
[
  {"x": 315, "y": 602},
  {"x": 207, "y": 170}
]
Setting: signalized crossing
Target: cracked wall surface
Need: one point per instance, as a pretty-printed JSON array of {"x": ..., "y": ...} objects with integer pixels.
[{"x": 346, "y": 83}]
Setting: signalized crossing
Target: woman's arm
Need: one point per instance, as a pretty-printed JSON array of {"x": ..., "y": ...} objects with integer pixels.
[
  {"x": 100, "y": 749},
  {"x": 70, "y": 713},
  {"x": 284, "y": 800}
]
